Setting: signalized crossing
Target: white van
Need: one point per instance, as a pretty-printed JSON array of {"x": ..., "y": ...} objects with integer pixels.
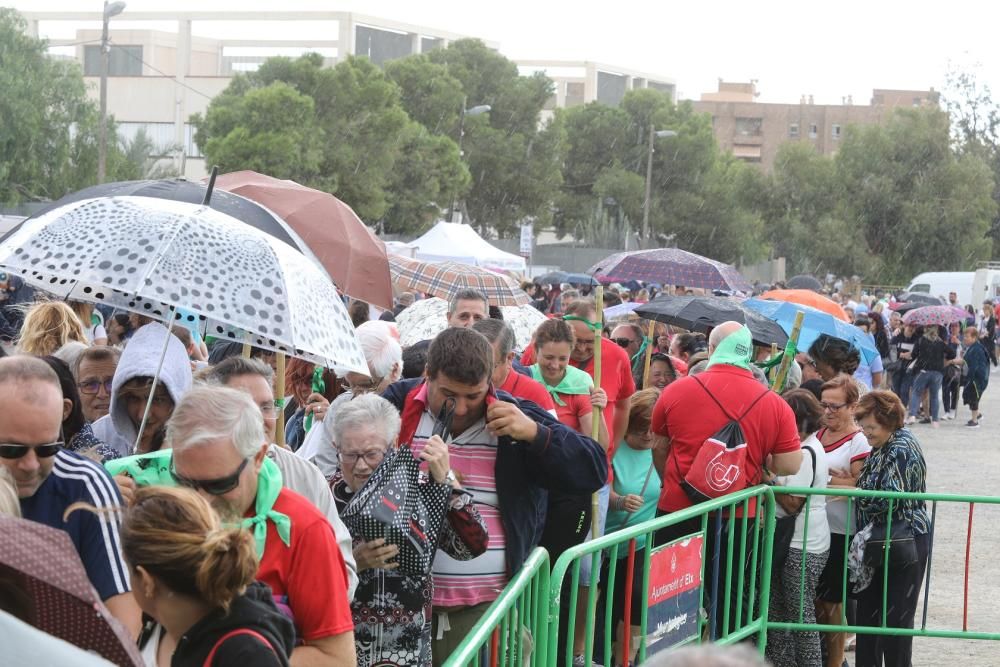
[
  {"x": 940, "y": 283},
  {"x": 986, "y": 284}
]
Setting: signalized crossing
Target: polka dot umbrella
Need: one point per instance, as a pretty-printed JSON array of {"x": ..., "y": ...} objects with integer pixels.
[{"x": 153, "y": 256}]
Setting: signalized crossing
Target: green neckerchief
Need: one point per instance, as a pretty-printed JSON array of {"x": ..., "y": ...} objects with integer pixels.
[
  {"x": 736, "y": 349},
  {"x": 575, "y": 382},
  {"x": 640, "y": 355},
  {"x": 154, "y": 468},
  {"x": 776, "y": 360},
  {"x": 593, "y": 326}
]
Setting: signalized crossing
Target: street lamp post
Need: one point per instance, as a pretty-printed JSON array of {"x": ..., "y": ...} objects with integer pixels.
[
  {"x": 473, "y": 111},
  {"x": 653, "y": 134},
  {"x": 110, "y": 9}
]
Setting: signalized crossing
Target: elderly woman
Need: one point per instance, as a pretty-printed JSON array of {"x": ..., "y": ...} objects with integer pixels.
[
  {"x": 385, "y": 366},
  {"x": 896, "y": 463},
  {"x": 391, "y": 609}
]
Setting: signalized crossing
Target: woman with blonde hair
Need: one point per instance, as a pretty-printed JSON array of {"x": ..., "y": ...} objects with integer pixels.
[
  {"x": 48, "y": 326},
  {"x": 92, "y": 322},
  {"x": 195, "y": 579}
]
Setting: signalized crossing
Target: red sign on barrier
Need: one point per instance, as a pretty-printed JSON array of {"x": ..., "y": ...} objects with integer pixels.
[{"x": 674, "y": 595}]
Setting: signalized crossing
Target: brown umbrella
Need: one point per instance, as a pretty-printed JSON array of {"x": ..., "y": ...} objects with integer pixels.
[
  {"x": 40, "y": 567},
  {"x": 353, "y": 256},
  {"x": 443, "y": 279}
]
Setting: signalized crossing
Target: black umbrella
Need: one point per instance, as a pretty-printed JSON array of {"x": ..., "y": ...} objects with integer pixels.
[
  {"x": 557, "y": 277},
  {"x": 804, "y": 282},
  {"x": 701, "y": 313},
  {"x": 921, "y": 298},
  {"x": 179, "y": 189}
]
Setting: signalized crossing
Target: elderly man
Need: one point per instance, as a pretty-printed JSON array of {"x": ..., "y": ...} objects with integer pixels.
[
  {"x": 94, "y": 371},
  {"x": 467, "y": 307},
  {"x": 507, "y": 453},
  {"x": 256, "y": 379},
  {"x": 220, "y": 450},
  {"x": 628, "y": 337},
  {"x": 49, "y": 479}
]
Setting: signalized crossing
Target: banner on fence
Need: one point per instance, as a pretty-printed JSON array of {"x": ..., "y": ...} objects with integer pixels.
[{"x": 674, "y": 593}]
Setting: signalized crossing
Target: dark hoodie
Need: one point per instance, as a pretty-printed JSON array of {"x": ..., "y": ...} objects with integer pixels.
[{"x": 254, "y": 610}]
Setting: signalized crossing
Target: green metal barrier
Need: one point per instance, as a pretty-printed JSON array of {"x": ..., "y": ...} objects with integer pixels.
[
  {"x": 513, "y": 630},
  {"x": 894, "y": 498},
  {"x": 742, "y": 546}
]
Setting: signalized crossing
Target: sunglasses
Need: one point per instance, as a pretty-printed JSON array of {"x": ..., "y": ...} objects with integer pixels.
[
  {"x": 41, "y": 451},
  {"x": 213, "y": 487},
  {"x": 622, "y": 342}
]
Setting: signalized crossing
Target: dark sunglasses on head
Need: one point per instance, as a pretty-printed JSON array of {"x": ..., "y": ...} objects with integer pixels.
[
  {"x": 94, "y": 386},
  {"x": 41, "y": 451},
  {"x": 214, "y": 487},
  {"x": 622, "y": 342}
]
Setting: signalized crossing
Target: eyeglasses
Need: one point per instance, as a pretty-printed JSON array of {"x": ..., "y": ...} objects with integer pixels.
[
  {"x": 623, "y": 342},
  {"x": 371, "y": 458},
  {"x": 94, "y": 386},
  {"x": 832, "y": 407},
  {"x": 11, "y": 451},
  {"x": 271, "y": 409},
  {"x": 214, "y": 487}
]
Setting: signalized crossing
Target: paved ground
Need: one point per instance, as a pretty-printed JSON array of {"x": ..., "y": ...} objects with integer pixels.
[{"x": 963, "y": 461}]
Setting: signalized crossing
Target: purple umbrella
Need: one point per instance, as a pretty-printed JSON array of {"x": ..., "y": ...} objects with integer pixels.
[{"x": 670, "y": 266}]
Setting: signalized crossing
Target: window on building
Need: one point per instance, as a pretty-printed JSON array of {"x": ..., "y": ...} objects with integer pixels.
[
  {"x": 793, "y": 130},
  {"x": 574, "y": 94},
  {"x": 749, "y": 127},
  {"x": 835, "y": 131},
  {"x": 813, "y": 131},
  {"x": 122, "y": 60}
]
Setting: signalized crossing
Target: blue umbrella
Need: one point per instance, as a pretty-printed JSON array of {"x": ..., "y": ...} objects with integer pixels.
[
  {"x": 815, "y": 324},
  {"x": 556, "y": 277}
]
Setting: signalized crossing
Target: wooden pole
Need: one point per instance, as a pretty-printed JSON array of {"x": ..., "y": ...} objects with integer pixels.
[
  {"x": 649, "y": 353},
  {"x": 246, "y": 345},
  {"x": 279, "y": 403},
  {"x": 597, "y": 415},
  {"x": 779, "y": 380}
]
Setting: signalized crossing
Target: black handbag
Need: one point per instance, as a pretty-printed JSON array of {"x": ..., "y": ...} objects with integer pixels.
[
  {"x": 784, "y": 529},
  {"x": 900, "y": 544}
]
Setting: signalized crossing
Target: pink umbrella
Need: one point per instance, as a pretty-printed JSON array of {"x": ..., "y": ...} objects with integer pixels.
[{"x": 934, "y": 315}]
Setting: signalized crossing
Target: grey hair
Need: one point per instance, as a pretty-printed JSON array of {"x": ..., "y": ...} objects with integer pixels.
[
  {"x": 364, "y": 410},
  {"x": 224, "y": 371},
  {"x": 210, "y": 412},
  {"x": 498, "y": 333},
  {"x": 708, "y": 655},
  {"x": 23, "y": 368},
  {"x": 466, "y": 295},
  {"x": 99, "y": 353},
  {"x": 381, "y": 349}
]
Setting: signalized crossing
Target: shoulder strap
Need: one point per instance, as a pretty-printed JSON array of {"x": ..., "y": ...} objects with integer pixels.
[
  {"x": 812, "y": 455},
  {"x": 726, "y": 412},
  {"x": 233, "y": 633}
]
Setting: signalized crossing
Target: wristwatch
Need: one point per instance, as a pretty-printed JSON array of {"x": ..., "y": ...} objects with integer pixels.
[{"x": 450, "y": 478}]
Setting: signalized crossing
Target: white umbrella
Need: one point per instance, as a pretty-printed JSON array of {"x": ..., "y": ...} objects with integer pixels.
[
  {"x": 428, "y": 317},
  {"x": 153, "y": 256}
]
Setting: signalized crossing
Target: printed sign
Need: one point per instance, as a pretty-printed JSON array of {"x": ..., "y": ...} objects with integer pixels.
[
  {"x": 527, "y": 238},
  {"x": 674, "y": 597}
]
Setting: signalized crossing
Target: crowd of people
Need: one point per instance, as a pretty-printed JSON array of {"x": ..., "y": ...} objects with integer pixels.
[{"x": 157, "y": 452}]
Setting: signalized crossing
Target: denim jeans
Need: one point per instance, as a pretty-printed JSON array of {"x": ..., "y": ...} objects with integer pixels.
[{"x": 926, "y": 380}]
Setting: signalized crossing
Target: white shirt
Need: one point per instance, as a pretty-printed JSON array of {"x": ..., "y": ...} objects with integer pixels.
[
  {"x": 841, "y": 455},
  {"x": 817, "y": 541}
]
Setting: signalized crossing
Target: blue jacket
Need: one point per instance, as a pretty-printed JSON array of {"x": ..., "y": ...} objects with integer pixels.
[
  {"x": 559, "y": 460},
  {"x": 978, "y": 362}
]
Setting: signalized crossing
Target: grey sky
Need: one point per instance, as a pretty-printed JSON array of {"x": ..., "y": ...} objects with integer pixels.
[{"x": 791, "y": 48}]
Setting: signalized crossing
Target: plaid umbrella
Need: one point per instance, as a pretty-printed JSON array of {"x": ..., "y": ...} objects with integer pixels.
[
  {"x": 49, "y": 574},
  {"x": 934, "y": 315},
  {"x": 443, "y": 279},
  {"x": 669, "y": 266}
]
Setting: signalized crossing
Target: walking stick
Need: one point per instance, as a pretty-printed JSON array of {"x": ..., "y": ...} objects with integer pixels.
[
  {"x": 793, "y": 340},
  {"x": 597, "y": 415},
  {"x": 649, "y": 354}
]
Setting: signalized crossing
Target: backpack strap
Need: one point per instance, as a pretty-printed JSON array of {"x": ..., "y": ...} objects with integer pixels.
[
  {"x": 233, "y": 633},
  {"x": 726, "y": 412}
]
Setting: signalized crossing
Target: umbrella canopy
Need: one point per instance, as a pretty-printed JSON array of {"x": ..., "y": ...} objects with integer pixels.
[
  {"x": 149, "y": 255},
  {"x": 669, "y": 266},
  {"x": 934, "y": 315},
  {"x": 815, "y": 324},
  {"x": 921, "y": 298},
  {"x": 65, "y": 603},
  {"x": 805, "y": 282},
  {"x": 904, "y": 306},
  {"x": 621, "y": 310},
  {"x": 702, "y": 313},
  {"x": 353, "y": 256},
  {"x": 807, "y": 298},
  {"x": 445, "y": 278},
  {"x": 557, "y": 277},
  {"x": 428, "y": 317}
]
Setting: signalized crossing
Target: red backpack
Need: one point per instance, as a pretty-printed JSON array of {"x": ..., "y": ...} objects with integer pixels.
[{"x": 722, "y": 462}]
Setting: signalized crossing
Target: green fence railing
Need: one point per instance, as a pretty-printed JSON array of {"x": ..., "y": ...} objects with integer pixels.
[{"x": 513, "y": 630}]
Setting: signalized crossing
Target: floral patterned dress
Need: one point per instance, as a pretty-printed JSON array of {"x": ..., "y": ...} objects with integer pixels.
[
  {"x": 898, "y": 465},
  {"x": 392, "y": 610}
]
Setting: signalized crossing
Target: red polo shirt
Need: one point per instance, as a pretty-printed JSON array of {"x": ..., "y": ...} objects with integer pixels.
[
  {"x": 688, "y": 416},
  {"x": 522, "y": 386},
  {"x": 616, "y": 381}
]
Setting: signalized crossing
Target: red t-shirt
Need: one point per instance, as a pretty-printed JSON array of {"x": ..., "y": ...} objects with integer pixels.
[
  {"x": 688, "y": 416},
  {"x": 616, "y": 381},
  {"x": 522, "y": 386},
  {"x": 576, "y": 406},
  {"x": 308, "y": 577}
]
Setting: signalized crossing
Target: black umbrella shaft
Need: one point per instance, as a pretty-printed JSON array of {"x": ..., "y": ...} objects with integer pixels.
[{"x": 211, "y": 186}]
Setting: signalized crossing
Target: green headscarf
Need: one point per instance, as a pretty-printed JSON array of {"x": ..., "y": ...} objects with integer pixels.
[
  {"x": 154, "y": 468},
  {"x": 736, "y": 349},
  {"x": 575, "y": 383}
]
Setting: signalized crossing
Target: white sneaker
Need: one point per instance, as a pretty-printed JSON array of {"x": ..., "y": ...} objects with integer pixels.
[
  {"x": 948, "y": 416},
  {"x": 910, "y": 420}
]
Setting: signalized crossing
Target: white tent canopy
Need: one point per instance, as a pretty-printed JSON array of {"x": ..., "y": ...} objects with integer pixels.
[{"x": 456, "y": 242}]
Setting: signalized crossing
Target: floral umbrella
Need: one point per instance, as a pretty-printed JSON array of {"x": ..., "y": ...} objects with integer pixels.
[
  {"x": 427, "y": 318},
  {"x": 934, "y": 315}
]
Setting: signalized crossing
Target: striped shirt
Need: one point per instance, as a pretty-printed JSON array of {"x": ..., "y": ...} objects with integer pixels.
[
  {"x": 97, "y": 538},
  {"x": 473, "y": 457}
]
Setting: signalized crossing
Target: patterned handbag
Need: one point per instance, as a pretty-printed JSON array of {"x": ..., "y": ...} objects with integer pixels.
[{"x": 394, "y": 505}]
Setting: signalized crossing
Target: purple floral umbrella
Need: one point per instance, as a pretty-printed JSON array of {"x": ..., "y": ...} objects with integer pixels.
[
  {"x": 934, "y": 315},
  {"x": 670, "y": 266}
]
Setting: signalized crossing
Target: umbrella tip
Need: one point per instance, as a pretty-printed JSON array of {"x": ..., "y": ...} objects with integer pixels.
[{"x": 211, "y": 186}]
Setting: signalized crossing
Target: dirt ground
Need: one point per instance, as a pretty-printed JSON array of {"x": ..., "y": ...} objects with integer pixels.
[{"x": 963, "y": 461}]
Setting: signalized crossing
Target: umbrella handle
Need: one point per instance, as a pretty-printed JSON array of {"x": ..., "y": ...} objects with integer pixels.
[{"x": 156, "y": 378}]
